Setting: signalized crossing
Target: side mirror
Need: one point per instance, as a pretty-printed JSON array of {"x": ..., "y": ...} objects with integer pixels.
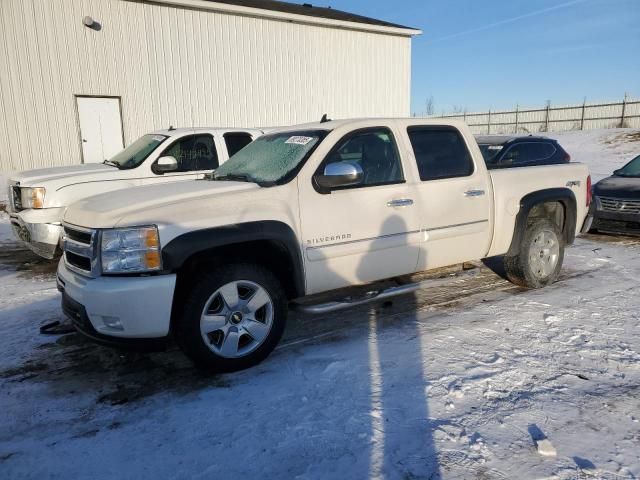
[
  {"x": 616, "y": 172},
  {"x": 165, "y": 164},
  {"x": 340, "y": 174}
]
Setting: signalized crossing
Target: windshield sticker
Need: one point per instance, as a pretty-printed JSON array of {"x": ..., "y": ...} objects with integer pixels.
[
  {"x": 299, "y": 140},
  {"x": 158, "y": 138},
  {"x": 494, "y": 147}
]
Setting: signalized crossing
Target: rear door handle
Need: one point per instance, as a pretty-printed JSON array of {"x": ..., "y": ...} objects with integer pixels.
[
  {"x": 474, "y": 193},
  {"x": 402, "y": 202}
]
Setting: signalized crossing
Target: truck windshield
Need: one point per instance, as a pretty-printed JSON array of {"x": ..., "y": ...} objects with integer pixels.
[
  {"x": 137, "y": 152},
  {"x": 271, "y": 159}
]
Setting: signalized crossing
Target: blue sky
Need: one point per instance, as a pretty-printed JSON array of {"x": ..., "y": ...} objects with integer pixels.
[{"x": 481, "y": 54}]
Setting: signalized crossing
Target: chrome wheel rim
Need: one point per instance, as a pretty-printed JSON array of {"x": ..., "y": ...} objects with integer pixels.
[
  {"x": 236, "y": 319},
  {"x": 544, "y": 253}
]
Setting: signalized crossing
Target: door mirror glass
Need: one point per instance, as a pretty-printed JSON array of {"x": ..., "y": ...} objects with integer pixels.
[
  {"x": 340, "y": 174},
  {"x": 166, "y": 164}
]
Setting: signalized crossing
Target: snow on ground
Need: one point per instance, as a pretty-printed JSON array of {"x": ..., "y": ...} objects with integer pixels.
[
  {"x": 470, "y": 377},
  {"x": 602, "y": 150}
]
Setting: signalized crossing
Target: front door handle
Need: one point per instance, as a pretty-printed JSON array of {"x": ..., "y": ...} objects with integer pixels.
[
  {"x": 474, "y": 193},
  {"x": 402, "y": 202}
]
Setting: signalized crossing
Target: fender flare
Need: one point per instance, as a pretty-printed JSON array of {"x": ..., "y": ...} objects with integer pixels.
[
  {"x": 181, "y": 248},
  {"x": 564, "y": 196}
]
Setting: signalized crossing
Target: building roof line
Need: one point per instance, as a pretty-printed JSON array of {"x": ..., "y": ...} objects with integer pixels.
[{"x": 289, "y": 12}]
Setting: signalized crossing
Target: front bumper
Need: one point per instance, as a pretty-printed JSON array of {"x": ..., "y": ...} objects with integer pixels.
[
  {"x": 117, "y": 307},
  {"x": 615, "y": 222},
  {"x": 41, "y": 238}
]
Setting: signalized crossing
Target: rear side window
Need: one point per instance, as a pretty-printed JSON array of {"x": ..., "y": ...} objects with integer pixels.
[
  {"x": 528, "y": 152},
  {"x": 195, "y": 152},
  {"x": 236, "y": 141},
  {"x": 440, "y": 153}
]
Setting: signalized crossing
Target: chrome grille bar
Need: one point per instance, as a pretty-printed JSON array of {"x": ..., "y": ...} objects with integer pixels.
[
  {"x": 81, "y": 248},
  {"x": 620, "y": 205}
]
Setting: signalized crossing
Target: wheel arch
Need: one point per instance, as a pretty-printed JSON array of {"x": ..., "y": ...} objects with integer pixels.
[
  {"x": 558, "y": 204},
  {"x": 271, "y": 243}
]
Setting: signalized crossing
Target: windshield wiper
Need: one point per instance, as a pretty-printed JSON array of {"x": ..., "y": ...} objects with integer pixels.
[
  {"x": 112, "y": 163},
  {"x": 234, "y": 178}
]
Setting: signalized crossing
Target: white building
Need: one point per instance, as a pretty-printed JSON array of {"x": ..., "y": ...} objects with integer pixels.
[{"x": 81, "y": 78}]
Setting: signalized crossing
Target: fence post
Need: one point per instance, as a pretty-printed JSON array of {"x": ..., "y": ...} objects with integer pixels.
[
  {"x": 584, "y": 103},
  {"x": 624, "y": 108},
  {"x": 489, "y": 124},
  {"x": 546, "y": 123},
  {"x": 464, "y": 116},
  {"x": 517, "y": 108}
]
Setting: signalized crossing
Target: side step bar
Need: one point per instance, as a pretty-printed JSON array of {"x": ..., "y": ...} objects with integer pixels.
[{"x": 351, "y": 302}]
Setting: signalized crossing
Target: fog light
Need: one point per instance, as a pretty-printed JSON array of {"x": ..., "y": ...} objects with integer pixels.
[{"x": 113, "y": 322}]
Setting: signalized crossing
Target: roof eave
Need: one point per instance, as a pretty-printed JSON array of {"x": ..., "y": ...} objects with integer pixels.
[{"x": 288, "y": 17}]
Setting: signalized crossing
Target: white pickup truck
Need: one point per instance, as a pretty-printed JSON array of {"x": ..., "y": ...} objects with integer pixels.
[
  {"x": 38, "y": 198},
  {"x": 304, "y": 211}
]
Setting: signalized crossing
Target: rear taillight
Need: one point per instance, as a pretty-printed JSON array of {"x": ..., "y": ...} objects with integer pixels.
[
  {"x": 566, "y": 158},
  {"x": 589, "y": 194}
]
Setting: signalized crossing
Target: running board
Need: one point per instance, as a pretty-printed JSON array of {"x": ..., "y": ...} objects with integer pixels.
[{"x": 351, "y": 302}]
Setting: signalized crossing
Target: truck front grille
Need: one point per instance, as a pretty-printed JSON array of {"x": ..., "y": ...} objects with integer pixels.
[
  {"x": 620, "y": 205},
  {"x": 81, "y": 250}
]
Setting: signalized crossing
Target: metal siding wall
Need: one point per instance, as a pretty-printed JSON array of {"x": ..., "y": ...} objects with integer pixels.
[{"x": 181, "y": 67}]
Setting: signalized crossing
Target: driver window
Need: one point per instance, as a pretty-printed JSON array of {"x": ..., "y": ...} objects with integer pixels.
[
  {"x": 193, "y": 153},
  {"x": 376, "y": 153}
]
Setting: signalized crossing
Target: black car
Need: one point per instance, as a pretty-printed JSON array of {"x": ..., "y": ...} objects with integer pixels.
[
  {"x": 502, "y": 151},
  {"x": 616, "y": 205}
]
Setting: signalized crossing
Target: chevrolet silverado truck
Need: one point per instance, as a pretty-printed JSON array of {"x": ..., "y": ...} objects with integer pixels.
[
  {"x": 38, "y": 198},
  {"x": 293, "y": 219}
]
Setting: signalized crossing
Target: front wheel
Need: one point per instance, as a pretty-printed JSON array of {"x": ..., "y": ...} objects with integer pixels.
[
  {"x": 540, "y": 255},
  {"x": 233, "y": 318}
]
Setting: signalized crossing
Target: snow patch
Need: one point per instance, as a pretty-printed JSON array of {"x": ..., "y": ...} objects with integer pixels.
[{"x": 546, "y": 448}]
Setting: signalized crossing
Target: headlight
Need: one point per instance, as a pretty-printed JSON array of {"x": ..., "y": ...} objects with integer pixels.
[
  {"x": 32, "y": 197},
  {"x": 131, "y": 250}
]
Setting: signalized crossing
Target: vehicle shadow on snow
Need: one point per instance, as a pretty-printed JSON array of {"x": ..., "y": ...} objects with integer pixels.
[{"x": 399, "y": 443}]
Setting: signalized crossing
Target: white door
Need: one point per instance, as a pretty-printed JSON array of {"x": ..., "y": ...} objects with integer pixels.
[
  {"x": 454, "y": 196},
  {"x": 100, "y": 128},
  {"x": 356, "y": 235}
]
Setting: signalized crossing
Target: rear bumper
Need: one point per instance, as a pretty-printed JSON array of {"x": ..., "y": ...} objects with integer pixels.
[
  {"x": 41, "y": 237},
  {"x": 117, "y": 308}
]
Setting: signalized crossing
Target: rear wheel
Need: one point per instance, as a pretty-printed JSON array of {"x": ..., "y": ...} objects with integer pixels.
[
  {"x": 540, "y": 255},
  {"x": 233, "y": 318}
]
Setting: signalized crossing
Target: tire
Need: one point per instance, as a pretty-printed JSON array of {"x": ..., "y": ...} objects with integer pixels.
[
  {"x": 233, "y": 318},
  {"x": 540, "y": 256}
]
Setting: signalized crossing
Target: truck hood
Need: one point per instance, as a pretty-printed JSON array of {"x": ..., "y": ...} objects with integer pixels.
[
  {"x": 618, "y": 187},
  {"x": 57, "y": 177},
  {"x": 108, "y": 209}
]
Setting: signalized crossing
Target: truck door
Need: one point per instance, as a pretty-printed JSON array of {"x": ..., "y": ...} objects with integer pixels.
[
  {"x": 454, "y": 195},
  {"x": 359, "y": 234},
  {"x": 196, "y": 155}
]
